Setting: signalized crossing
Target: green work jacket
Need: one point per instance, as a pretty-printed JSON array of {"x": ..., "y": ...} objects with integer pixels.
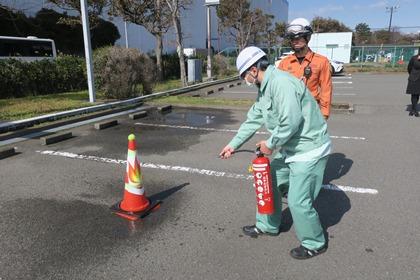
[{"x": 289, "y": 112}]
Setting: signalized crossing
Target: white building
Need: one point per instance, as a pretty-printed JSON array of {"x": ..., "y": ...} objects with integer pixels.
[
  {"x": 335, "y": 46},
  {"x": 194, "y": 27}
]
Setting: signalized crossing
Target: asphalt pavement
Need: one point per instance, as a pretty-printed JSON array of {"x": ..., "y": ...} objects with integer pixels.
[{"x": 54, "y": 200}]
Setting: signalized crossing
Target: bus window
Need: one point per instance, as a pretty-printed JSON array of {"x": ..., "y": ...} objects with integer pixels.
[{"x": 26, "y": 49}]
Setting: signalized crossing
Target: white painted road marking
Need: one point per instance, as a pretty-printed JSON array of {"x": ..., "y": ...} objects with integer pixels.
[
  {"x": 347, "y": 137},
  {"x": 193, "y": 170},
  {"x": 341, "y": 77},
  {"x": 229, "y": 130},
  {"x": 339, "y": 82}
]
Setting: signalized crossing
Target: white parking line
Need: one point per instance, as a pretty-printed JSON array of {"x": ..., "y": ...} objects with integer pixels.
[
  {"x": 341, "y": 77},
  {"x": 228, "y": 130},
  {"x": 343, "y": 87},
  {"x": 339, "y": 82},
  {"x": 193, "y": 170}
]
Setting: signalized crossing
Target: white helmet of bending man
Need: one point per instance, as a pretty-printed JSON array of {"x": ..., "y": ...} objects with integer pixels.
[
  {"x": 248, "y": 57},
  {"x": 298, "y": 28}
]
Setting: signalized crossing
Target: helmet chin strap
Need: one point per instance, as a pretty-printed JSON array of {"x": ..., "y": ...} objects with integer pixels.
[{"x": 299, "y": 51}]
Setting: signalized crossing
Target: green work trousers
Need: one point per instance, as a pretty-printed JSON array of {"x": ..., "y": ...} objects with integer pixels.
[{"x": 304, "y": 181}]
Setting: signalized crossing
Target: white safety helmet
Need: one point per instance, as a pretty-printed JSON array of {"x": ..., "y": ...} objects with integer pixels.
[
  {"x": 248, "y": 57},
  {"x": 299, "y": 27}
]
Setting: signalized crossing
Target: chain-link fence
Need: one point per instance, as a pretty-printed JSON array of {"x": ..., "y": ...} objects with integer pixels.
[{"x": 390, "y": 56}]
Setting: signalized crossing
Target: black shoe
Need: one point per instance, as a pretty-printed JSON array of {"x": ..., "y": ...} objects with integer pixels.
[
  {"x": 302, "y": 253},
  {"x": 416, "y": 114},
  {"x": 254, "y": 232},
  {"x": 411, "y": 113}
]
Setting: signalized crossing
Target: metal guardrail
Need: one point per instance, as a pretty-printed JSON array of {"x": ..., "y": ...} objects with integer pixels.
[{"x": 14, "y": 125}]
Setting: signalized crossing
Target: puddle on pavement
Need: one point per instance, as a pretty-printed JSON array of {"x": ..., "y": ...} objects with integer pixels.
[
  {"x": 152, "y": 139},
  {"x": 193, "y": 117}
]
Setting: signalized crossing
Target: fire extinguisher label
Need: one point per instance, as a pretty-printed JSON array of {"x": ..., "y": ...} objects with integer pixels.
[{"x": 262, "y": 184}]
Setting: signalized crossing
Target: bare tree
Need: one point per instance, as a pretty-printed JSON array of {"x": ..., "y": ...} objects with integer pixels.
[
  {"x": 152, "y": 15},
  {"x": 175, "y": 7}
]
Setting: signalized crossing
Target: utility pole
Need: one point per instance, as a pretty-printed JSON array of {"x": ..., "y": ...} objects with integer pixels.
[
  {"x": 209, "y": 54},
  {"x": 391, "y": 10},
  {"x": 88, "y": 49},
  {"x": 208, "y": 4}
]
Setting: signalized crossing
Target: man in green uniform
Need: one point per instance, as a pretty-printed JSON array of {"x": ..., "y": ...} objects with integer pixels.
[{"x": 299, "y": 131}]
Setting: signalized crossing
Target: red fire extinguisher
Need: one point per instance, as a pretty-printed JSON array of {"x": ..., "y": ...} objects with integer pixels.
[{"x": 263, "y": 183}]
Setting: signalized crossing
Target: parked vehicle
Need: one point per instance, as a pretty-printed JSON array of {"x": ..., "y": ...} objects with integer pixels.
[
  {"x": 27, "y": 48},
  {"x": 336, "y": 66}
]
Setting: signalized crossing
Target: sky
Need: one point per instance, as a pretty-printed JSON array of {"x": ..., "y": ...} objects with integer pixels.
[
  {"x": 350, "y": 12},
  {"x": 356, "y": 11}
]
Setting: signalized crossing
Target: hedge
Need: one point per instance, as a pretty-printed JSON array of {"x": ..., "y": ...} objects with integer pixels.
[
  {"x": 19, "y": 78},
  {"x": 119, "y": 71}
]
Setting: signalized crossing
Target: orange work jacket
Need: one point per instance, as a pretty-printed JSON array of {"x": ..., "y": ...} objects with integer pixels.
[{"x": 319, "y": 83}]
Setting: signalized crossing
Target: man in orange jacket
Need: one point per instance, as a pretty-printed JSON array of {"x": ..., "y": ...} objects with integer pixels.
[{"x": 314, "y": 69}]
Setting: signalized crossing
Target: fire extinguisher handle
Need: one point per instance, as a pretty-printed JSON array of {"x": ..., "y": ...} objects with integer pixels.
[{"x": 258, "y": 152}]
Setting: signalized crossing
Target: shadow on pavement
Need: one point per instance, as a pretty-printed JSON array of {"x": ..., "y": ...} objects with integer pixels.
[
  {"x": 167, "y": 193},
  {"x": 337, "y": 166},
  {"x": 408, "y": 107},
  {"x": 330, "y": 204}
]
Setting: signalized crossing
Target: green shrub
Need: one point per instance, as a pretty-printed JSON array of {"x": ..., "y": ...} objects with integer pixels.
[
  {"x": 222, "y": 66},
  {"x": 13, "y": 82},
  {"x": 118, "y": 71},
  {"x": 19, "y": 78},
  {"x": 71, "y": 72},
  {"x": 100, "y": 57}
]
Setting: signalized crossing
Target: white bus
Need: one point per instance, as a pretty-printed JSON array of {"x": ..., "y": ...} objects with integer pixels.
[{"x": 27, "y": 49}]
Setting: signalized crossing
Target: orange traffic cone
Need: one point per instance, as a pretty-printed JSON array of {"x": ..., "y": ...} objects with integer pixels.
[{"x": 135, "y": 203}]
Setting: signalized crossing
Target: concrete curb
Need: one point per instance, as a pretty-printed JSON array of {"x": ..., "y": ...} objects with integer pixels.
[
  {"x": 7, "y": 152},
  {"x": 105, "y": 124},
  {"x": 56, "y": 138},
  {"x": 22, "y": 132},
  {"x": 342, "y": 108},
  {"x": 138, "y": 115},
  {"x": 164, "y": 108}
]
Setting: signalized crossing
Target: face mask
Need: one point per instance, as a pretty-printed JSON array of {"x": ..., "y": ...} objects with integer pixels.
[{"x": 249, "y": 83}]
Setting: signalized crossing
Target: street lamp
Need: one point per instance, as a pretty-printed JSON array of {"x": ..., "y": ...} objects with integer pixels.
[{"x": 208, "y": 4}]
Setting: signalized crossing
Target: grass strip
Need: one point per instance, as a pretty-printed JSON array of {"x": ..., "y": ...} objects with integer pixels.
[
  {"x": 33, "y": 106},
  {"x": 28, "y": 107}
]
